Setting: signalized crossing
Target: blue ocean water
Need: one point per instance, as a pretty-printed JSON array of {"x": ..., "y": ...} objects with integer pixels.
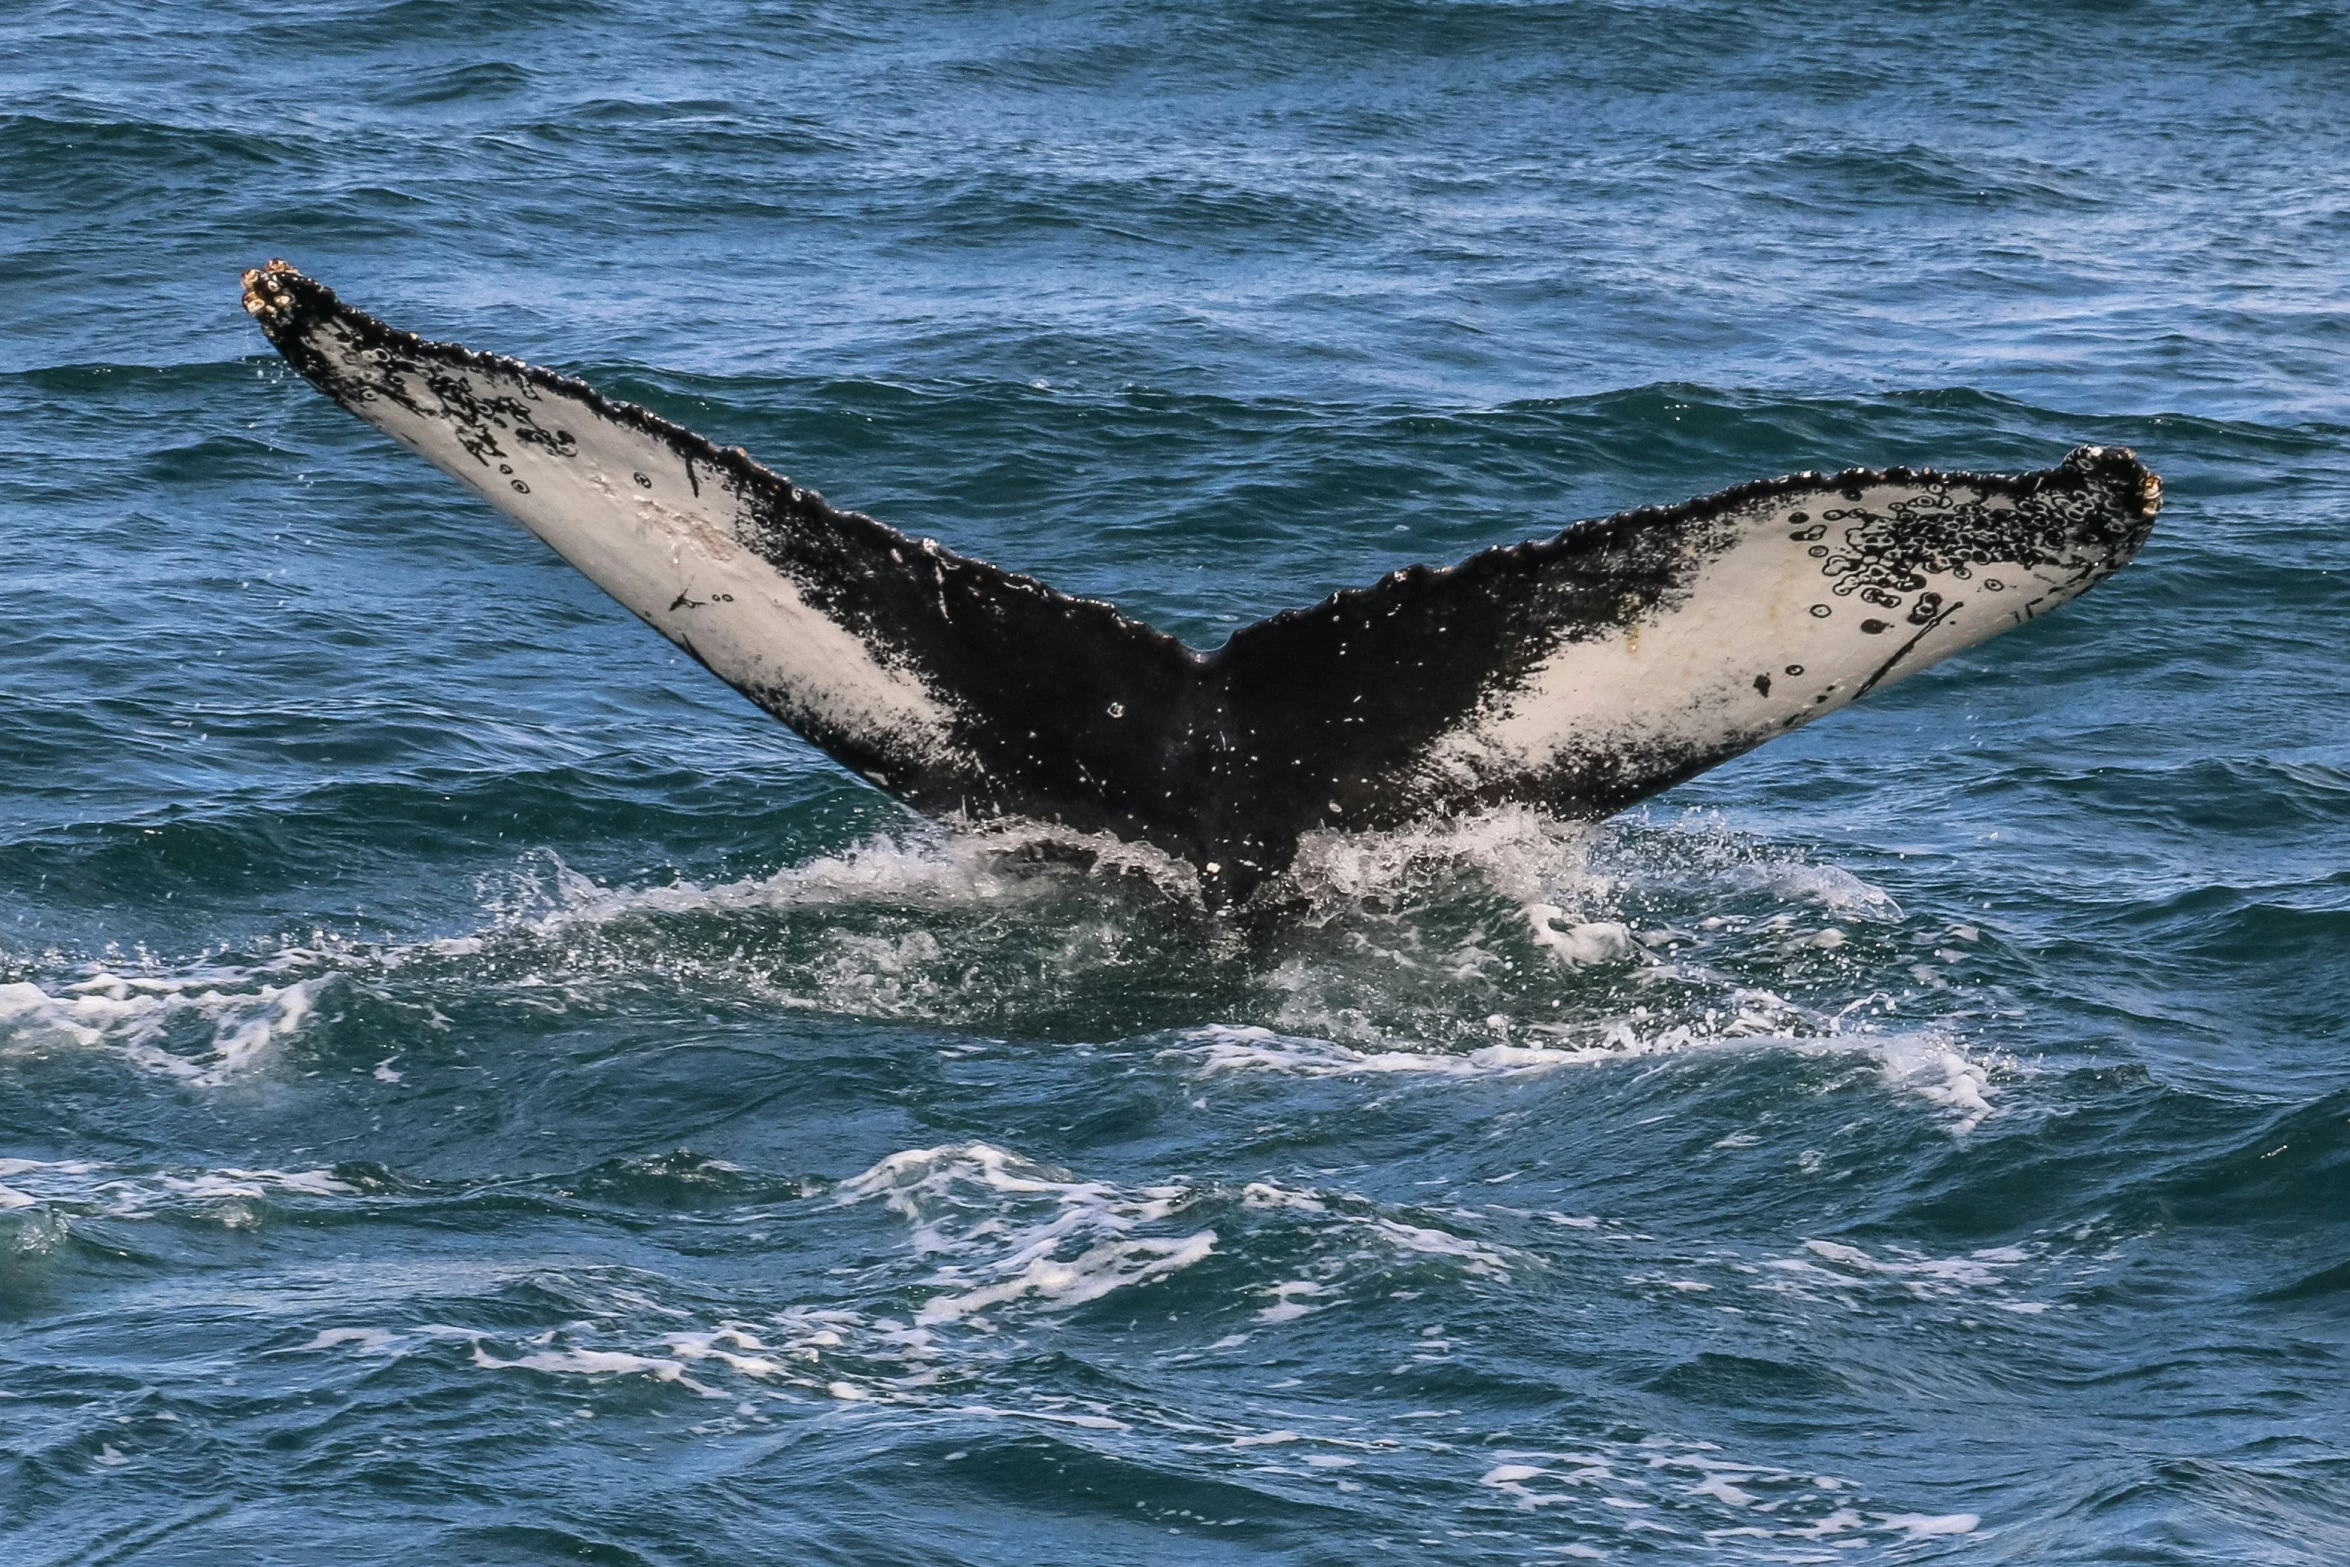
[{"x": 472, "y": 1089}]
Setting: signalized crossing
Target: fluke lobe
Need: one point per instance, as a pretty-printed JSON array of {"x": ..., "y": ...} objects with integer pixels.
[{"x": 1577, "y": 673}]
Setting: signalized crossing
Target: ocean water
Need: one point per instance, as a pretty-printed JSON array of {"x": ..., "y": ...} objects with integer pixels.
[{"x": 474, "y": 1090}]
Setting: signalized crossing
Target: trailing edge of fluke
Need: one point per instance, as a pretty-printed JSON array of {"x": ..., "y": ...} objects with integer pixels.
[{"x": 1576, "y": 673}]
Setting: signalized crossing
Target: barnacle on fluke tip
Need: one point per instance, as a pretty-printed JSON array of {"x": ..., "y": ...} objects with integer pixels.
[{"x": 1576, "y": 673}]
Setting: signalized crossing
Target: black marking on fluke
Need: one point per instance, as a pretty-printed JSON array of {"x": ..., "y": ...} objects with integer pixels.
[{"x": 1337, "y": 716}]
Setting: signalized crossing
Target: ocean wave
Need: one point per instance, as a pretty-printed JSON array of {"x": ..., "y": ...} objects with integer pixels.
[{"x": 1497, "y": 943}]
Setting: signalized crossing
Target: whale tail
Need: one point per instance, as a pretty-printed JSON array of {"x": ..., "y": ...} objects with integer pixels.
[{"x": 1577, "y": 673}]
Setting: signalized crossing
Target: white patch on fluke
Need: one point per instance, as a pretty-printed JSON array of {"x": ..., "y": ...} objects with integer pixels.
[
  {"x": 1760, "y": 643},
  {"x": 660, "y": 533}
]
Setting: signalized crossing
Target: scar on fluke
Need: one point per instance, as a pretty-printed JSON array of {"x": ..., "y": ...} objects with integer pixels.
[{"x": 1576, "y": 673}]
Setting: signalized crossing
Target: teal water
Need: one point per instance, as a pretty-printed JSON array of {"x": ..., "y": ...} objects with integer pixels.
[{"x": 474, "y": 1090}]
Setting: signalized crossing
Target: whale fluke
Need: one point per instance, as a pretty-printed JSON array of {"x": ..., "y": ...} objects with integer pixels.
[{"x": 1576, "y": 673}]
